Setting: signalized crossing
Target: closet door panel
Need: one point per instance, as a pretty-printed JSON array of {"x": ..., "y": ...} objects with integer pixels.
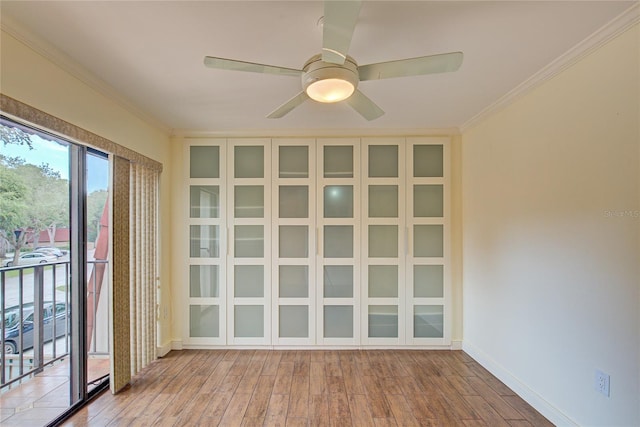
[
  {"x": 338, "y": 230},
  {"x": 294, "y": 241},
  {"x": 383, "y": 241},
  {"x": 428, "y": 312},
  {"x": 205, "y": 289},
  {"x": 249, "y": 251}
]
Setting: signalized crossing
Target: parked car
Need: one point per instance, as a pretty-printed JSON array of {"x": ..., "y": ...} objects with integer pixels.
[
  {"x": 32, "y": 258},
  {"x": 12, "y": 325},
  {"x": 50, "y": 250}
]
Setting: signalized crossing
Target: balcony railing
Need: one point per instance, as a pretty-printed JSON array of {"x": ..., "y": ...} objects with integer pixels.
[{"x": 35, "y": 316}]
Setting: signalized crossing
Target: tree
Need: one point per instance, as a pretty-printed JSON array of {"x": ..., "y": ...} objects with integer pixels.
[
  {"x": 48, "y": 199},
  {"x": 36, "y": 199},
  {"x": 13, "y": 206},
  {"x": 95, "y": 207},
  {"x": 14, "y": 135}
]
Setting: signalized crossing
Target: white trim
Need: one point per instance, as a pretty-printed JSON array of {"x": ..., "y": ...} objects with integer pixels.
[
  {"x": 316, "y": 133},
  {"x": 600, "y": 37},
  {"x": 552, "y": 413},
  {"x": 311, "y": 347},
  {"x": 45, "y": 49},
  {"x": 456, "y": 344},
  {"x": 165, "y": 348}
]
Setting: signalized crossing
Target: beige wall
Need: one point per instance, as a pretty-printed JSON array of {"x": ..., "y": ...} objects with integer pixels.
[
  {"x": 551, "y": 221},
  {"x": 32, "y": 79}
]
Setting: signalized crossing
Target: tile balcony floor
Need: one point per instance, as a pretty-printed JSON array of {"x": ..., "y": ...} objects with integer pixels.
[{"x": 41, "y": 398}]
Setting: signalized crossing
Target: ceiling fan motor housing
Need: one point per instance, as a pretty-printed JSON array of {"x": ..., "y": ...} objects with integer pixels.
[{"x": 315, "y": 69}]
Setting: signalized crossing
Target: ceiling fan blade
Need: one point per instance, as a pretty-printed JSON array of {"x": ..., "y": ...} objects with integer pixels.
[
  {"x": 363, "y": 105},
  {"x": 232, "y": 64},
  {"x": 340, "y": 19},
  {"x": 285, "y": 108},
  {"x": 442, "y": 63}
]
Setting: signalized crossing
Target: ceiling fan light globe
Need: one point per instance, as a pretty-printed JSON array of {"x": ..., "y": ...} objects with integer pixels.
[
  {"x": 330, "y": 90},
  {"x": 329, "y": 83}
]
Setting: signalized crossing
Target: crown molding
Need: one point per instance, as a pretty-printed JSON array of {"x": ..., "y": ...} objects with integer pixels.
[
  {"x": 599, "y": 38},
  {"x": 314, "y": 133},
  {"x": 66, "y": 63}
]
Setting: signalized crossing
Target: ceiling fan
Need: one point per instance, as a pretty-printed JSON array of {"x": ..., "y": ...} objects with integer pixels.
[{"x": 333, "y": 76}]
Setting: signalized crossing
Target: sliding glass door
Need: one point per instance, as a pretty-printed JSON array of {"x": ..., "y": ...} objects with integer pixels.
[
  {"x": 53, "y": 276},
  {"x": 97, "y": 268}
]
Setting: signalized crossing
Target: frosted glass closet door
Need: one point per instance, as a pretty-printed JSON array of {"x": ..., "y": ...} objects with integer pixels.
[
  {"x": 249, "y": 251},
  {"x": 205, "y": 289},
  {"x": 294, "y": 241},
  {"x": 428, "y": 301},
  {"x": 383, "y": 241},
  {"x": 338, "y": 251}
]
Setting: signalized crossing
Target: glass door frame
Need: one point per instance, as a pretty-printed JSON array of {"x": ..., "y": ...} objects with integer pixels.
[{"x": 78, "y": 222}]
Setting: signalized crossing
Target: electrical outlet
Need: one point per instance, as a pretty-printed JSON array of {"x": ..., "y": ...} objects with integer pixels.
[{"x": 601, "y": 382}]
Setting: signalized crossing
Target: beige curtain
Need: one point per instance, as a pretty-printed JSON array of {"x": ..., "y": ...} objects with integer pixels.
[
  {"x": 143, "y": 265},
  {"x": 120, "y": 323},
  {"x": 135, "y": 269}
]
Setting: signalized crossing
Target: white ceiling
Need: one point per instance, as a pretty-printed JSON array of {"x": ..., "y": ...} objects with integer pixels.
[{"x": 150, "y": 54}]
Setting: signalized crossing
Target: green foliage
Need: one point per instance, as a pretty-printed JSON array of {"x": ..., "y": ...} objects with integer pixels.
[
  {"x": 12, "y": 162},
  {"x": 47, "y": 196},
  {"x": 95, "y": 207},
  {"x": 13, "y": 205},
  {"x": 31, "y": 197}
]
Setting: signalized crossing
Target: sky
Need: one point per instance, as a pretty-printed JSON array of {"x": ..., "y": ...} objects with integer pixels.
[{"x": 57, "y": 156}]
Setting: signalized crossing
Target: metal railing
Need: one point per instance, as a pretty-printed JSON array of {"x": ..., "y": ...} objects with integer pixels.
[{"x": 35, "y": 317}]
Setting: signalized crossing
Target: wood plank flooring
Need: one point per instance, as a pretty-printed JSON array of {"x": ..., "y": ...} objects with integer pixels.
[{"x": 312, "y": 388}]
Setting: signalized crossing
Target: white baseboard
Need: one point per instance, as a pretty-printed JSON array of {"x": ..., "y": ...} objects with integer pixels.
[
  {"x": 456, "y": 345},
  {"x": 178, "y": 345},
  {"x": 552, "y": 413},
  {"x": 164, "y": 349},
  {"x": 168, "y": 346}
]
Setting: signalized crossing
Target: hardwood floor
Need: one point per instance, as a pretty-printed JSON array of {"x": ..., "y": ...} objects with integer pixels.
[{"x": 312, "y": 388}]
